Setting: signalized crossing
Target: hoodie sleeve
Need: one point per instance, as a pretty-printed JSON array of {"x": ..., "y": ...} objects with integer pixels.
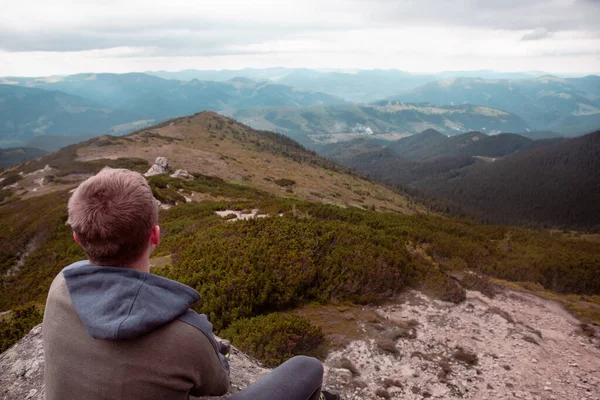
[
  {"x": 211, "y": 369},
  {"x": 210, "y": 376}
]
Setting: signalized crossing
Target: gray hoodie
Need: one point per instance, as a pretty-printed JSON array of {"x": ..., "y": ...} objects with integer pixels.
[{"x": 116, "y": 333}]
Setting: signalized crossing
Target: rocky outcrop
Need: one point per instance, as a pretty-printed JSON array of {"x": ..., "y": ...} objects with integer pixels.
[
  {"x": 514, "y": 345},
  {"x": 22, "y": 369},
  {"x": 160, "y": 166}
]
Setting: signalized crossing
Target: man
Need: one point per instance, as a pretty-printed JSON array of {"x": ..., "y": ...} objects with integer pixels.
[{"x": 112, "y": 330}]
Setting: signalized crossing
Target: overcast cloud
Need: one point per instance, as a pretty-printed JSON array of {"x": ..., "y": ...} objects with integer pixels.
[{"x": 60, "y": 37}]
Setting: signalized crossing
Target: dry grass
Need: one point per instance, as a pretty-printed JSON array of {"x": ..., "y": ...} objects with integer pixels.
[
  {"x": 587, "y": 330},
  {"x": 225, "y": 153}
]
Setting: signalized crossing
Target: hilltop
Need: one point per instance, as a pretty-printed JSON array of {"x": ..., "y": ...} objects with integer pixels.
[{"x": 212, "y": 145}]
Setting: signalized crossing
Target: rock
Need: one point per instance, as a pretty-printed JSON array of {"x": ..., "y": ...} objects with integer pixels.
[
  {"x": 22, "y": 370},
  {"x": 160, "y": 166},
  {"x": 182, "y": 174},
  {"x": 341, "y": 376}
]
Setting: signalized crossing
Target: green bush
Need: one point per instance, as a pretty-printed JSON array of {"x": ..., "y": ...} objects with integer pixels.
[
  {"x": 10, "y": 179},
  {"x": 20, "y": 321},
  {"x": 258, "y": 266},
  {"x": 274, "y": 338}
]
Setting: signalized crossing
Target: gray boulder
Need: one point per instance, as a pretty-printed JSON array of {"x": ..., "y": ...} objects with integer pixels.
[{"x": 160, "y": 166}]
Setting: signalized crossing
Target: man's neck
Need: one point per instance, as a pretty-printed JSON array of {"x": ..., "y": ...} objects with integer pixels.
[{"x": 142, "y": 265}]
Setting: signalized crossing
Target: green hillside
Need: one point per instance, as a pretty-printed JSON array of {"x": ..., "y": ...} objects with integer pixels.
[
  {"x": 10, "y": 157},
  {"x": 504, "y": 178},
  {"x": 383, "y": 120}
]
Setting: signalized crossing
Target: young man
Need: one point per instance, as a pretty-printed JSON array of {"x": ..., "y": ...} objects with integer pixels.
[{"x": 112, "y": 330}]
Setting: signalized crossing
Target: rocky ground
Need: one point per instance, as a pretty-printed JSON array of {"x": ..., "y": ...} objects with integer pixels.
[{"x": 512, "y": 346}]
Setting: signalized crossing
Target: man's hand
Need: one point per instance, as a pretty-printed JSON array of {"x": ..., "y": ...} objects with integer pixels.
[{"x": 225, "y": 348}]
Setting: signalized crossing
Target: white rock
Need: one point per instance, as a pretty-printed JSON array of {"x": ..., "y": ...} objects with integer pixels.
[{"x": 182, "y": 174}]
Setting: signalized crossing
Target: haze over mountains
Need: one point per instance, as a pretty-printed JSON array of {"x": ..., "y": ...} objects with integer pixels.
[
  {"x": 359, "y": 86},
  {"x": 86, "y": 104},
  {"x": 456, "y": 140},
  {"x": 569, "y": 106},
  {"x": 50, "y": 112}
]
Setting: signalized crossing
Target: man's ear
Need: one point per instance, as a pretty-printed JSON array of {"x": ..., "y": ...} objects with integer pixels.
[
  {"x": 75, "y": 237},
  {"x": 155, "y": 235}
]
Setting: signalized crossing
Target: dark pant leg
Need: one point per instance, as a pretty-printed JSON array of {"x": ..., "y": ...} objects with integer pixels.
[{"x": 299, "y": 378}]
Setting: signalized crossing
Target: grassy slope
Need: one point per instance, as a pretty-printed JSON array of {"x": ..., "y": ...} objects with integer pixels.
[
  {"x": 213, "y": 145},
  {"x": 313, "y": 252}
]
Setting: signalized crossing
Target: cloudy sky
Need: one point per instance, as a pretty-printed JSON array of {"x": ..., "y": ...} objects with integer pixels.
[{"x": 40, "y": 38}]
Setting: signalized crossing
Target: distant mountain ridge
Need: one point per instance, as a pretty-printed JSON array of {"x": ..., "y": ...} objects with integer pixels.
[
  {"x": 28, "y": 112},
  {"x": 359, "y": 86},
  {"x": 568, "y": 106},
  {"x": 431, "y": 144},
  {"x": 88, "y": 104},
  {"x": 505, "y": 178},
  {"x": 10, "y": 157},
  {"x": 386, "y": 119}
]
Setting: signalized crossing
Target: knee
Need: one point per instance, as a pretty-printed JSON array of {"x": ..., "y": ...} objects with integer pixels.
[{"x": 307, "y": 364}]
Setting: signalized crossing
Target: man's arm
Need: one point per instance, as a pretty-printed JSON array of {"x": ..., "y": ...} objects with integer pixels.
[
  {"x": 211, "y": 368},
  {"x": 211, "y": 378}
]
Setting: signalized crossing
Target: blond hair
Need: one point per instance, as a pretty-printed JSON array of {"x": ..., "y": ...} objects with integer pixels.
[{"x": 112, "y": 214}]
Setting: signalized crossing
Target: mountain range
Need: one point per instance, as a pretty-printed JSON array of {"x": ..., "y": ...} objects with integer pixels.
[
  {"x": 89, "y": 104},
  {"x": 504, "y": 178},
  {"x": 387, "y": 120},
  {"x": 568, "y": 106},
  {"x": 28, "y": 112},
  {"x": 359, "y": 86}
]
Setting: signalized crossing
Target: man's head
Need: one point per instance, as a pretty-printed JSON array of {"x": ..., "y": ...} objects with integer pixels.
[{"x": 114, "y": 216}]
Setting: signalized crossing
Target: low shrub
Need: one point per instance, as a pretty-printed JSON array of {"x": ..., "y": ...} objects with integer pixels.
[
  {"x": 479, "y": 283},
  {"x": 444, "y": 288},
  {"x": 274, "y": 338},
  {"x": 10, "y": 179},
  {"x": 285, "y": 182},
  {"x": 20, "y": 321}
]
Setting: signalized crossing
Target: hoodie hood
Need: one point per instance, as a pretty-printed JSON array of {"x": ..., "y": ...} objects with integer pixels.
[{"x": 120, "y": 303}]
